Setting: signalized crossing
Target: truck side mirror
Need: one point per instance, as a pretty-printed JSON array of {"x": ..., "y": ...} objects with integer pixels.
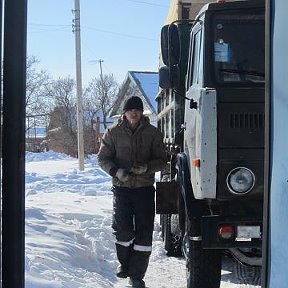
[
  {"x": 169, "y": 77},
  {"x": 164, "y": 44},
  {"x": 173, "y": 45},
  {"x": 174, "y": 76},
  {"x": 164, "y": 77},
  {"x": 170, "y": 45}
]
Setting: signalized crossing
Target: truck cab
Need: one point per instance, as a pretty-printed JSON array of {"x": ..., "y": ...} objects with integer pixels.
[{"x": 213, "y": 187}]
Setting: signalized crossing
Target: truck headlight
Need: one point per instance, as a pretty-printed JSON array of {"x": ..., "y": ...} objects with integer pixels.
[{"x": 240, "y": 180}]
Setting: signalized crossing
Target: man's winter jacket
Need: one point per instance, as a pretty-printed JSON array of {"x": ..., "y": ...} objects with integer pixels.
[{"x": 122, "y": 148}]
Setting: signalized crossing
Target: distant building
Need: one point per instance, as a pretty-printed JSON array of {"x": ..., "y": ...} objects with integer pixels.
[
  {"x": 143, "y": 85},
  {"x": 36, "y": 139},
  {"x": 184, "y": 9}
]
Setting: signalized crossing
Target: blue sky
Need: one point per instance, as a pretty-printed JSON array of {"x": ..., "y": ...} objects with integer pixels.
[{"x": 123, "y": 33}]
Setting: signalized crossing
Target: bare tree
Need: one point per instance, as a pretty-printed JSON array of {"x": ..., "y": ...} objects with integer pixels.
[
  {"x": 100, "y": 95},
  {"x": 62, "y": 130},
  {"x": 91, "y": 123},
  {"x": 97, "y": 101},
  {"x": 37, "y": 101}
]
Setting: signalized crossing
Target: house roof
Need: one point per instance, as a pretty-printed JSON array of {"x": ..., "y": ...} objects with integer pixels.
[{"x": 147, "y": 83}]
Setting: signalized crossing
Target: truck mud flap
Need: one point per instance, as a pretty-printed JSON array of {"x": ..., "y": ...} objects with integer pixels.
[{"x": 166, "y": 198}]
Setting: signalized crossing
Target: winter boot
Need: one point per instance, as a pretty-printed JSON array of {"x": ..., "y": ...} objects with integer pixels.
[
  {"x": 121, "y": 272},
  {"x": 135, "y": 283},
  {"x": 123, "y": 255},
  {"x": 138, "y": 265}
]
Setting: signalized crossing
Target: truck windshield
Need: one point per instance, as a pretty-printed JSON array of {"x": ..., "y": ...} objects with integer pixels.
[{"x": 238, "y": 42}]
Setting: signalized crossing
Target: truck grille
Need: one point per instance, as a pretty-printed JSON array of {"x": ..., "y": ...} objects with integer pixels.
[{"x": 247, "y": 120}]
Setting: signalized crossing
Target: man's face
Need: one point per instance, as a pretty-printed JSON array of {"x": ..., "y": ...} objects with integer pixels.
[{"x": 133, "y": 116}]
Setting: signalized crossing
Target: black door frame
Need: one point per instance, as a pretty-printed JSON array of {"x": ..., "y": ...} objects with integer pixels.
[{"x": 13, "y": 143}]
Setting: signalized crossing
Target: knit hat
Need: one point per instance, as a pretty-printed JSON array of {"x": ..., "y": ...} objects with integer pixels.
[{"x": 133, "y": 102}]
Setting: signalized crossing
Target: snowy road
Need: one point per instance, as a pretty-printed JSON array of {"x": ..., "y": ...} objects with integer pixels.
[
  {"x": 169, "y": 272},
  {"x": 69, "y": 240},
  {"x": 234, "y": 275}
]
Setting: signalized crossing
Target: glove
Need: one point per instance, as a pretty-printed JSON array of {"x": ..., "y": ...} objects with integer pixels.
[
  {"x": 122, "y": 175},
  {"x": 139, "y": 169}
]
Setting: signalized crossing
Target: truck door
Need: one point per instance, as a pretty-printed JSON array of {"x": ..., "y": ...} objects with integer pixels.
[
  {"x": 200, "y": 136},
  {"x": 194, "y": 84}
]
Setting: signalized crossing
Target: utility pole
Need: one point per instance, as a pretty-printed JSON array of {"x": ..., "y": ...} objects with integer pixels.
[
  {"x": 100, "y": 61},
  {"x": 101, "y": 76},
  {"x": 103, "y": 88},
  {"x": 101, "y": 72},
  {"x": 79, "y": 86}
]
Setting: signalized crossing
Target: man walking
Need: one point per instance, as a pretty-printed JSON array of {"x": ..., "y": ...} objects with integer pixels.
[{"x": 131, "y": 152}]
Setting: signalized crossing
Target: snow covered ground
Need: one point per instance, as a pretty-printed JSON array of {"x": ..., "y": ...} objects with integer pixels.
[{"x": 69, "y": 241}]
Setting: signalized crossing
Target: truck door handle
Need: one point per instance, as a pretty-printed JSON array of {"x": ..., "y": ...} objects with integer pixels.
[{"x": 193, "y": 104}]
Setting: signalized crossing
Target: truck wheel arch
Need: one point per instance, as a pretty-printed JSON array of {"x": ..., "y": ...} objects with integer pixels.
[{"x": 193, "y": 206}]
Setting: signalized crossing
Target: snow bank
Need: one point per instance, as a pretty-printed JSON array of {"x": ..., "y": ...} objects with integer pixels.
[{"x": 69, "y": 240}]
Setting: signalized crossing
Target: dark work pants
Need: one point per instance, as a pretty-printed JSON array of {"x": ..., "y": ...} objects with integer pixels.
[{"x": 133, "y": 223}]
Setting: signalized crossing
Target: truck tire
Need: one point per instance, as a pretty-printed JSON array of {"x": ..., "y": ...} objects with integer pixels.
[
  {"x": 171, "y": 238},
  {"x": 203, "y": 266}
]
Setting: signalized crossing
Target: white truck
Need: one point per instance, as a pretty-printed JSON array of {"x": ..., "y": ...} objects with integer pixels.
[{"x": 211, "y": 111}]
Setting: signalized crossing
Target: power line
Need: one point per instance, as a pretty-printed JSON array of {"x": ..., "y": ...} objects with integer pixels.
[
  {"x": 49, "y": 30},
  {"x": 63, "y": 27},
  {"x": 39, "y": 24},
  {"x": 41, "y": 27}
]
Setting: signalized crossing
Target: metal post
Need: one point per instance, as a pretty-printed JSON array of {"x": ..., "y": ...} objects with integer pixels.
[
  {"x": 14, "y": 92},
  {"x": 79, "y": 87}
]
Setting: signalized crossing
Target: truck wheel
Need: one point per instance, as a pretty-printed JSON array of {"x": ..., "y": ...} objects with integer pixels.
[
  {"x": 203, "y": 266},
  {"x": 172, "y": 238}
]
